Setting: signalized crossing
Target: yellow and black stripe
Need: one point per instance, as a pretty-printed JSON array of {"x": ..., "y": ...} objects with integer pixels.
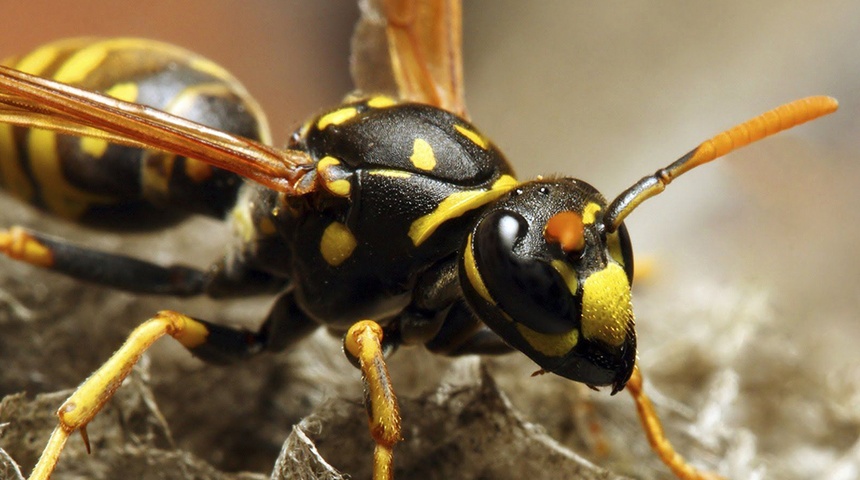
[{"x": 73, "y": 177}]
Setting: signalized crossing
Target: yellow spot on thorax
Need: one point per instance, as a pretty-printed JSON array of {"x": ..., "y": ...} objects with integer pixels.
[
  {"x": 473, "y": 274},
  {"x": 589, "y": 213},
  {"x": 607, "y": 312},
  {"x": 550, "y": 344},
  {"x": 336, "y": 117},
  {"x": 340, "y": 187},
  {"x": 337, "y": 244},
  {"x": 455, "y": 205},
  {"x": 472, "y": 135},
  {"x": 381, "y": 102},
  {"x": 422, "y": 155},
  {"x": 390, "y": 173},
  {"x": 327, "y": 162}
]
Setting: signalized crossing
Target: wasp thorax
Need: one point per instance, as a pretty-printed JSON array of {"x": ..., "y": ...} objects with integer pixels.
[{"x": 541, "y": 271}]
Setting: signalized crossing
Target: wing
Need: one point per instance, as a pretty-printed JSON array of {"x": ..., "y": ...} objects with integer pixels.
[
  {"x": 412, "y": 50},
  {"x": 31, "y": 101}
]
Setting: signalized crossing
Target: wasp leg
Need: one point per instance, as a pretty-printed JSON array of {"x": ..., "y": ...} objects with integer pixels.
[
  {"x": 83, "y": 405},
  {"x": 363, "y": 342},
  {"x": 284, "y": 325},
  {"x": 439, "y": 319},
  {"x": 462, "y": 334},
  {"x": 127, "y": 273},
  {"x": 117, "y": 271},
  {"x": 654, "y": 431}
]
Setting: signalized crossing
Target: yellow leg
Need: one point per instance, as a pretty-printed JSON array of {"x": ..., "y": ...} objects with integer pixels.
[
  {"x": 654, "y": 431},
  {"x": 364, "y": 342},
  {"x": 91, "y": 396},
  {"x": 20, "y": 245}
]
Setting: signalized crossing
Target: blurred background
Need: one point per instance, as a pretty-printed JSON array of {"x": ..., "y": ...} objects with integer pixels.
[{"x": 750, "y": 311}]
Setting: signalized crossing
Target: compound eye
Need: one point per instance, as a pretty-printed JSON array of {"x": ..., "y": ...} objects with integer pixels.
[
  {"x": 524, "y": 285},
  {"x": 567, "y": 230}
]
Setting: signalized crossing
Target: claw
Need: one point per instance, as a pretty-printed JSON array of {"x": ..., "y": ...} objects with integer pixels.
[{"x": 86, "y": 438}]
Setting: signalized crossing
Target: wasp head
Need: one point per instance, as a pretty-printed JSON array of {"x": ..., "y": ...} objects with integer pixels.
[{"x": 540, "y": 269}]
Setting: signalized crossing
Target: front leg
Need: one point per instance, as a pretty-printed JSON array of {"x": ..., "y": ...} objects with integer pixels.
[
  {"x": 363, "y": 342},
  {"x": 654, "y": 431}
]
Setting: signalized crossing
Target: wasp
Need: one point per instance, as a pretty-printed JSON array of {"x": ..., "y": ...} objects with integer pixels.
[{"x": 390, "y": 220}]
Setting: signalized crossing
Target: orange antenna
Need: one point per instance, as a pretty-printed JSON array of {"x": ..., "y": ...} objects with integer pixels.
[{"x": 767, "y": 124}]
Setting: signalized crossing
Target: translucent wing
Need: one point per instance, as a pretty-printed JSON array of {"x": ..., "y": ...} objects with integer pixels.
[
  {"x": 31, "y": 101},
  {"x": 412, "y": 50}
]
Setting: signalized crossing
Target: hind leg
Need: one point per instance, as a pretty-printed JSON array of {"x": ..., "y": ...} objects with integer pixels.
[{"x": 130, "y": 274}]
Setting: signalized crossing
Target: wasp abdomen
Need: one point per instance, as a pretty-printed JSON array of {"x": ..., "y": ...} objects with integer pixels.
[{"x": 83, "y": 177}]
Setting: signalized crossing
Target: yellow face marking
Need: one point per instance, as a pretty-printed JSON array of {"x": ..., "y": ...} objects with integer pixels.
[
  {"x": 336, "y": 117},
  {"x": 568, "y": 274},
  {"x": 455, "y": 205},
  {"x": 550, "y": 344},
  {"x": 422, "y": 155},
  {"x": 607, "y": 313},
  {"x": 381, "y": 102},
  {"x": 472, "y": 135},
  {"x": 613, "y": 243},
  {"x": 390, "y": 173},
  {"x": 337, "y": 244},
  {"x": 588, "y": 215},
  {"x": 12, "y": 176},
  {"x": 473, "y": 274},
  {"x": 96, "y": 147}
]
